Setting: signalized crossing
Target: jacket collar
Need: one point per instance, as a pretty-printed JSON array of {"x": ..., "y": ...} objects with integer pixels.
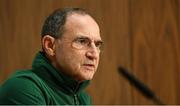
[{"x": 44, "y": 69}]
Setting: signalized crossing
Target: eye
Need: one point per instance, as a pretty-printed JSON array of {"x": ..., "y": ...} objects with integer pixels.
[
  {"x": 99, "y": 44},
  {"x": 82, "y": 41}
]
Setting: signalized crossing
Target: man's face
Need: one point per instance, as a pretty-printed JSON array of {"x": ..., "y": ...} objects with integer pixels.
[{"x": 77, "y": 51}]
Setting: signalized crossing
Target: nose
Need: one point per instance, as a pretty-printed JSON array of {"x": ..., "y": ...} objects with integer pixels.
[{"x": 92, "y": 53}]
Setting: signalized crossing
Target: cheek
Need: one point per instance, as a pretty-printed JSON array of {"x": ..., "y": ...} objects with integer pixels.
[
  {"x": 76, "y": 60},
  {"x": 73, "y": 61},
  {"x": 70, "y": 60}
]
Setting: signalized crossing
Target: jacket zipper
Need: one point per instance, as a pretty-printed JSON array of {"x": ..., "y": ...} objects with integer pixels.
[{"x": 76, "y": 102}]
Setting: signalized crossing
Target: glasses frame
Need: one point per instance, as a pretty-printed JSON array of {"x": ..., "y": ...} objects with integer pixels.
[{"x": 85, "y": 43}]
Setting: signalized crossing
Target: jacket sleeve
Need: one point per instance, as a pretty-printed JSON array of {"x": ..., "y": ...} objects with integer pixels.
[{"x": 21, "y": 91}]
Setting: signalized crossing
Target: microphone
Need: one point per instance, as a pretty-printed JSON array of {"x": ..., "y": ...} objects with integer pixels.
[{"x": 145, "y": 90}]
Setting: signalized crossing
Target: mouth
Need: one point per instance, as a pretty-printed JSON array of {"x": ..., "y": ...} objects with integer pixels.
[{"x": 89, "y": 66}]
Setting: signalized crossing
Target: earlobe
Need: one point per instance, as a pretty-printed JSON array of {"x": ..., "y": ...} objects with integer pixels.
[{"x": 48, "y": 44}]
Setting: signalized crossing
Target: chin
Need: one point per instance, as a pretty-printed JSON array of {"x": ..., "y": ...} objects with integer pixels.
[
  {"x": 86, "y": 74},
  {"x": 87, "y": 77}
]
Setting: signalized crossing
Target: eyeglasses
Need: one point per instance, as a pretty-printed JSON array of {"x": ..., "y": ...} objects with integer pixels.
[{"x": 86, "y": 43}]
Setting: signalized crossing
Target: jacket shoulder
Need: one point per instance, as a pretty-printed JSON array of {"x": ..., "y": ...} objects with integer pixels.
[{"x": 22, "y": 88}]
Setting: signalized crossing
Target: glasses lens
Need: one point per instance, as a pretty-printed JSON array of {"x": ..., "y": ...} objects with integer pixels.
[
  {"x": 99, "y": 45},
  {"x": 85, "y": 43},
  {"x": 81, "y": 43}
]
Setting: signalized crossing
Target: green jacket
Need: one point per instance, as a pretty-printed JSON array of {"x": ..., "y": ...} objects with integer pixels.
[{"x": 43, "y": 85}]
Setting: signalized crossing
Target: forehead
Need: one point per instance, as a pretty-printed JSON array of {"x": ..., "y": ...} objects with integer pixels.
[{"x": 81, "y": 25}]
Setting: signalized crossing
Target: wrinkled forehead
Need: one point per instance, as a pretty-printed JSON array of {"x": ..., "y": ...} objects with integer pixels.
[{"x": 82, "y": 25}]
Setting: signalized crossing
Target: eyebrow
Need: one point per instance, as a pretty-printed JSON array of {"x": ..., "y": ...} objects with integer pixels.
[{"x": 85, "y": 37}]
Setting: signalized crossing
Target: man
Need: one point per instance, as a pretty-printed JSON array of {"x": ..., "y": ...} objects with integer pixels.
[{"x": 71, "y": 45}]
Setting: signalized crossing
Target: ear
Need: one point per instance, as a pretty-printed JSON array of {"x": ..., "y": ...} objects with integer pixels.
[{"x": 48, "y": 44}]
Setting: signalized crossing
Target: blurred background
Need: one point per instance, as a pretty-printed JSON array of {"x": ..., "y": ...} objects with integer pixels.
[{"x": 141, "y": 35}]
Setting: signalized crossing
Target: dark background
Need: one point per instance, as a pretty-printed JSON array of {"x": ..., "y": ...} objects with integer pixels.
[{"x": 141, "y": 35}]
